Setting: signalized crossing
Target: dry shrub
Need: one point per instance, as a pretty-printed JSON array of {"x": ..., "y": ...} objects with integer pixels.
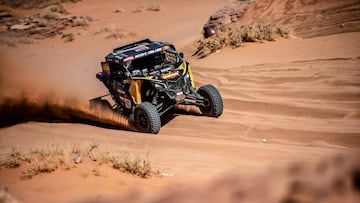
[
  {"x": 235, "y": 36},
  {"x": 119, "y": 10},
  {"x": 68, "y": 37},
  {"x": 151, "y": 7},
  {"x": 139, "y": 9},
  {"x": 57, "y": 8},
  {"x": 50, "y": 15},
  {"x": 13, "y": 159},
  {"x": 48, "y": 150},
  {"x": 104, "y": 29},
  {"x": 154, "y": 7},
  {"x": 39, "y": 167},
  {"x": 114, "y": 33},
  {"x": 54, "y": 11},
  {"x": 133, "y": 165},
  {"x": 78, "y": 21},
  {"x": 49, "y": 158},
  {"x": 120, "y": 34}
]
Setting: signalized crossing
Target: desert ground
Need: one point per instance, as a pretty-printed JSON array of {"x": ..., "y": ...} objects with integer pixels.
[{"x": 289, "y": 103}]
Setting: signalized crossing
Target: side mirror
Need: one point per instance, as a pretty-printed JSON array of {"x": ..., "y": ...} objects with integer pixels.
[{"x": 181, "y": 55}]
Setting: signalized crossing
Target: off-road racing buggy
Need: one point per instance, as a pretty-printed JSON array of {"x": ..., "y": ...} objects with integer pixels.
[{"x": 147, "y": 78}]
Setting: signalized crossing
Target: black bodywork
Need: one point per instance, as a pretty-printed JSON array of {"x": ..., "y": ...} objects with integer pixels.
[{"x": 152, "y": 72}]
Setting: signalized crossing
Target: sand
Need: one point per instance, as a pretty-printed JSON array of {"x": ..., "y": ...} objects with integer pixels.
[{"x": 289, "y": 101}]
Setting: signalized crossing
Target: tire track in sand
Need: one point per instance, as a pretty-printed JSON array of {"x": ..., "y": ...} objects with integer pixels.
[{"x": 302, "y": 101}]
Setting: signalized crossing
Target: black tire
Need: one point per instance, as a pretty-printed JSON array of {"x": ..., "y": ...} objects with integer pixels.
[
  {"x": 212, "y": 100},
  {"x": 147, "y": 118},
  {"x": 101, "y": 104}
]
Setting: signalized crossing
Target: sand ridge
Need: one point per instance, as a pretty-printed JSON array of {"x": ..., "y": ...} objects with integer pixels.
[{"x": 301, "y": 95}]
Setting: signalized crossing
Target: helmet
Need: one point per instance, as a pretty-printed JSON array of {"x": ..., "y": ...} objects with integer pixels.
[{"x": 158, "y": 59}]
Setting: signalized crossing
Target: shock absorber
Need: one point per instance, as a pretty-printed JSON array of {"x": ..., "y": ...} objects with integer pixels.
[{"x": 155, "y": 99}]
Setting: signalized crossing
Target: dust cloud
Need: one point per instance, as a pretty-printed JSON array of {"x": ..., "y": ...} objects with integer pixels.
[
  {"x": 22, "y": 101},
  {"x": 26, "y": 108}
]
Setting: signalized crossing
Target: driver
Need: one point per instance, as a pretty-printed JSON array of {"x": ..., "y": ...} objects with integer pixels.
[{"x": 158, "y": 60}]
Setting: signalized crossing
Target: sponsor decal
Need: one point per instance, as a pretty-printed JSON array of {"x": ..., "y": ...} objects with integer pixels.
[
  {"x": 148, "y": 53},
  {"x": 140, "y": 55},
  {"x": 142, "y": 48},
  {"x": 128, "y": 58}
]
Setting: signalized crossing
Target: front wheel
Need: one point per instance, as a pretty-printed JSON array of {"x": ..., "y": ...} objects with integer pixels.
[
  {"x": 147, "y": 118},
  {"x": 213, "y": 104}
]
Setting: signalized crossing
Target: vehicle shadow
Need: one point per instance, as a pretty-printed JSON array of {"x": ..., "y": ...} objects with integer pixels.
[{"x": 178, "y": 111}]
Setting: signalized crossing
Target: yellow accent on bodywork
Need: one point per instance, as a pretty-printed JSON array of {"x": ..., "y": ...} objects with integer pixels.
[
  {"x": 187, "y": 69},
  {"x": 105, "y": 67},
  {"x": 142, "y": 78},
  {"x": 183, "y": 68},
  {"x": 191, "y": 76},
  {"x": 145, "y": 78},
  {"x": 134, "y": 89}
]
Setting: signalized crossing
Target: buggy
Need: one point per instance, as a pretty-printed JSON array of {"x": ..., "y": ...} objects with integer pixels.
[{"x": 147, "y": 78}]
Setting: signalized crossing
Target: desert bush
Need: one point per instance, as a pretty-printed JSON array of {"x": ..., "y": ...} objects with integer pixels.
[
  {"x": 153, "y": 7},
  {"x": 49, "y": 158},
  {"x": 104, "y": 29},
  {"x": 48, "y": 150},
  {"x": 68, "y": 37},
  {"x": 50, "y": 15},
  {"x": 40, "y": 167},
  {"x": 57, "y": 8},
  {"x": 46, "y": 159},
  {"x": 10, "y": 163},
  {"x": 54, "y": 11},
  {"x": 119, "y": 10},
  {"x": 120, "y": 34},
  {"x": 13, "y": 159},
  {"x": 139, "y": 9},
  {"x": 113, "y": 32},
  {"x": 133, "y": 165},
  {"x": 235, "y": 36},
  {"x": 78, "y": 21}
]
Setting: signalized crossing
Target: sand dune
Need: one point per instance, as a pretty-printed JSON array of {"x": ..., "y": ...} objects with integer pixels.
[
  {"x": 292, "y": 100},
  {"x": 308, "y": 18}
]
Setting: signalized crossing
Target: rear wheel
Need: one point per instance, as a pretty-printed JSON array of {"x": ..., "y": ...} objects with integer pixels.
[
  {"x": 147, "y": 118},
  {"x": 213, "y": 104}
]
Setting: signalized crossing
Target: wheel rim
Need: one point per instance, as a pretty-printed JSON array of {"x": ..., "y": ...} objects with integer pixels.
[
  {"x": 207, "y": 105},
  {"x": 143, "y": 121}
]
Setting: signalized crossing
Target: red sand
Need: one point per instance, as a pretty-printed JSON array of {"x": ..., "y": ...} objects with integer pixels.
[{"x": 301, "y": 95}]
